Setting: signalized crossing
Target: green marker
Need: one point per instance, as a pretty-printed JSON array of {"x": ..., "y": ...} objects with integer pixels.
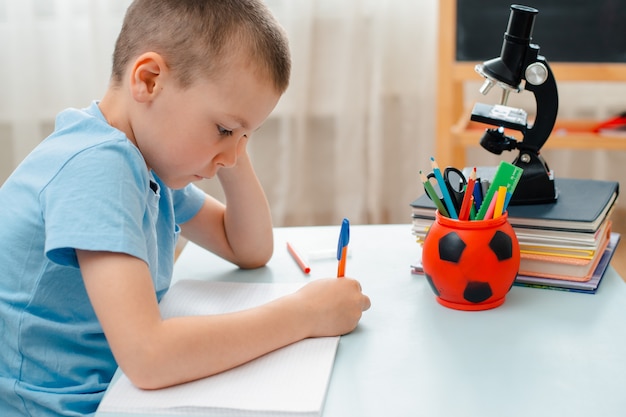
[{"x": 507, "y": 175}]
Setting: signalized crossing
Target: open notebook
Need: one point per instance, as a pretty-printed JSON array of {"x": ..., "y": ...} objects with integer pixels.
[{"x": 291, "y": 381}]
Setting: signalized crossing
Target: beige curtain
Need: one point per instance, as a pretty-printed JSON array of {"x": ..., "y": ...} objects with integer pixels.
[
  {"x": 53, "y": 54},
  {"x": 346, "y": 140},
  {"x": 351, "y": 131}
]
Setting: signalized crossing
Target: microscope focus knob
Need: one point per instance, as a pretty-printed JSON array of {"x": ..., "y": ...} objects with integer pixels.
[{"x": 536, "y": 73}]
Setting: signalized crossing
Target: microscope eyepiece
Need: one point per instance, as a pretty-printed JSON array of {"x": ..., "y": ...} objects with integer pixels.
[
  {"x": 521, "y": 22},
  {"x": 508, "y": 68}
]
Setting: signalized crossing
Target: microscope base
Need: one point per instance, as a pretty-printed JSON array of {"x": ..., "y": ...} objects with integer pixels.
[{"x": 536, "y": 186}]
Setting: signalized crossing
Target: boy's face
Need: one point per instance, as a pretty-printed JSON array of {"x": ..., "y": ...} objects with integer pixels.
[{"x": 189, "y": 134}]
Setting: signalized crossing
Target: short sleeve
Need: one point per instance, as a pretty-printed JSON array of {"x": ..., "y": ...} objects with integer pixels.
[
  {"x": 187, "y": 202},
  {"x": 97, "y": 201}
]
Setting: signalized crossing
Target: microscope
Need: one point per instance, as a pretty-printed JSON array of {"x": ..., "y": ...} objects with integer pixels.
[{"x": 520, "y": 67}]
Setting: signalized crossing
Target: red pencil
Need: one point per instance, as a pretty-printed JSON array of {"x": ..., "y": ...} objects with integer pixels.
[{"x": 466, "y": 205}]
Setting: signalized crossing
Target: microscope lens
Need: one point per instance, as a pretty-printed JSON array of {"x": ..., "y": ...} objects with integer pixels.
[{"x": 521, "y": 23}]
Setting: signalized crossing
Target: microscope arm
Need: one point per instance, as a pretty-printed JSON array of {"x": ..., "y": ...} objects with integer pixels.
[{"x": 547, "y": 107}]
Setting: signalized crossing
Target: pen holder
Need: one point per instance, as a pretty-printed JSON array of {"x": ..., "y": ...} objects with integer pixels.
[{"x": 471, "y": 265}]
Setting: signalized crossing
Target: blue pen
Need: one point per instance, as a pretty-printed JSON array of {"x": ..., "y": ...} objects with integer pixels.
[
  {"x": 444, "y": 190},
  {"x": 342, "y": 247}
]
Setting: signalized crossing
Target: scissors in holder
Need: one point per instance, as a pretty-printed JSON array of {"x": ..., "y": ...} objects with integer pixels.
[{"x": 454, "y": 182}]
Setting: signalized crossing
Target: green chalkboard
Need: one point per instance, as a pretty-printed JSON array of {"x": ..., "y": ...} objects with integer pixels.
[{"x": 577, "y": 31}]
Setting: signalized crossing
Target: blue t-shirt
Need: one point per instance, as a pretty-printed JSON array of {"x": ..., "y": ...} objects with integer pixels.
[{"x": 84, "y": 187}]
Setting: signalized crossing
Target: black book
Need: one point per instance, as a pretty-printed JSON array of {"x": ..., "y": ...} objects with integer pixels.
[{"x": 581, "y": 206}]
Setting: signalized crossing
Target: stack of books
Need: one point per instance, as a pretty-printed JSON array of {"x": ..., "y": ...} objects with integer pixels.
[{"x": 565, "y": 245}]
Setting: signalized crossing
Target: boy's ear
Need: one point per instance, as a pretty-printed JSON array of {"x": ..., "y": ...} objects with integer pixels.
[{"x": 146, "y": 75}]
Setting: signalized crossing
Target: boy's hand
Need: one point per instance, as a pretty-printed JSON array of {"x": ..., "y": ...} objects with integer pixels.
[
  {"x": 233, "y": 231},
  {"x": 332, "y": 306}
]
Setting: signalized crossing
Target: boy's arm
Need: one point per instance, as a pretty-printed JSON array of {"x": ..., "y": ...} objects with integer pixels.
[
  {"x": 241, "y": 230},
  {"x": 156, "y": 353}
]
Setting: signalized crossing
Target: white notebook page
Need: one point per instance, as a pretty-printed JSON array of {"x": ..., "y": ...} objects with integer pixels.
[{"x": 290, "y": 381}]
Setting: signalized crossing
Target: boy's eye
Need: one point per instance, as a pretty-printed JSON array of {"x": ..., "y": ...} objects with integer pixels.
[{"x": 223, "y": 131}]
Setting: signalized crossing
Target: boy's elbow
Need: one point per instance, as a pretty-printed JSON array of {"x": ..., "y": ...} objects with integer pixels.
[
  {"x": 258, "y": 259},
  {"x": 144, "y": 367},
  {"x": 145, "y": 383},
  {"x": 148, "y": 377},
  {"x": 143, "y": 373}
]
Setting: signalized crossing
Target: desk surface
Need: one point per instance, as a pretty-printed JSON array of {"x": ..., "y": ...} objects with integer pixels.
[{"x": 542, "y": 353}]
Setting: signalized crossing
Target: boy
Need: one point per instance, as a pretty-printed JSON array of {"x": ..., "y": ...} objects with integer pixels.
[{"x": 90, "y": 218}]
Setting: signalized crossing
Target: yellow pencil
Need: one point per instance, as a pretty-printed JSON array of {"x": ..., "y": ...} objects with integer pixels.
[{"x": 500, "y": 197}]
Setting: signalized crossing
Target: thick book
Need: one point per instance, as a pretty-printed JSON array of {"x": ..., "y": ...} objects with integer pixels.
[
  {"x": 590, "y": 286},
  {"x": 552, "y": 237},
  {"x": 561, "y": 266},
  {"x": 581, "y": 206},
  {"x": 289, "y": 382}
]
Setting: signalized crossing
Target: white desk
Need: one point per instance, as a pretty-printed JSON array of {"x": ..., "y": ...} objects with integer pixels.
[{"x": 542, "y": 353}]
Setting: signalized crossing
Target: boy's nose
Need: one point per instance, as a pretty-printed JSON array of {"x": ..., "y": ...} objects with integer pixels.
[
  {"x": 228, "y": 161},
  {"x": 228, "y": 158}
]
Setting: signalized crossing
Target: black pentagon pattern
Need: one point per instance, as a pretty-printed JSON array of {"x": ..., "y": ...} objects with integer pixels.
[
  {"x": 501, "y": 245},
  {"x": 451, "y": 247},
  {"x": 477, "y": 291}
]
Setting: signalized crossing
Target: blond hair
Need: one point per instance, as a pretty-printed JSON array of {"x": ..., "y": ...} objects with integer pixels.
[{"x": 196, "y": 38}]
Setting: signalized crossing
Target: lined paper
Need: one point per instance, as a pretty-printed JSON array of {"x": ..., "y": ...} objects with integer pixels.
[{"x": 290, "y": 381}]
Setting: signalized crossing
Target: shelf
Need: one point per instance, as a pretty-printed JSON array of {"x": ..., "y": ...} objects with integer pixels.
[
  {"x": 563, "y": 71},
  {"x": 567, "y": 134}
]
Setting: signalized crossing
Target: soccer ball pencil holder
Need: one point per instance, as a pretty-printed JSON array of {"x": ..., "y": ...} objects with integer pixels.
[{"x": 471, "y": 264}]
